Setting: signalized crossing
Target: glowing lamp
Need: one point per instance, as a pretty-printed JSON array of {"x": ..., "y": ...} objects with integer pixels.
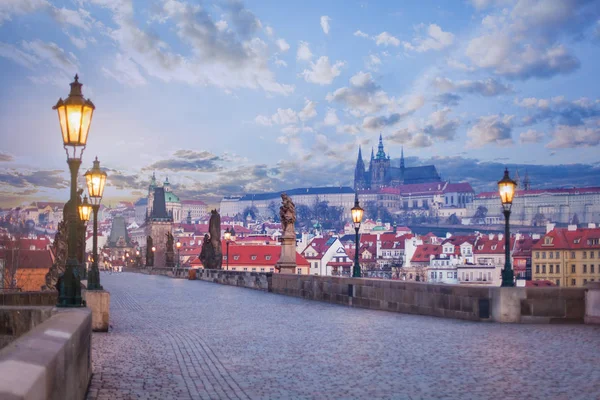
[{"x": 506, "y": 188}]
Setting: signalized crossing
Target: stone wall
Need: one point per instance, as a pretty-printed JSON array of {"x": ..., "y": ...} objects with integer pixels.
[
  {"x": 28, "y": 298},
  {"x": 475, "y": 303},
  {"x": 252, "y": 280},
  {"x": 51, "y": 361},
  {"x": 18, "y": 320}
]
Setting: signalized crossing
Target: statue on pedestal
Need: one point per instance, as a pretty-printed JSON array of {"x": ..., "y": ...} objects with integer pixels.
[
  {"x": 211, "y": 254},
  {"x": 287, "y": 213}
]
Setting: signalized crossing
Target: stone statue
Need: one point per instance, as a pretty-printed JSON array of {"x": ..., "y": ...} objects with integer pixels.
[
  {"x": 287, "y": 213},
  {"x": 59, "y": 249},
  {"x": 170, "y": 255},
  {"x": 211, "y": 254},
  {"x": 149, "y": 253}
]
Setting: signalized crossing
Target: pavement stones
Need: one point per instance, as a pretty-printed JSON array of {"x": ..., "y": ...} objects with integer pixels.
[{"x": 180, "y": 339}]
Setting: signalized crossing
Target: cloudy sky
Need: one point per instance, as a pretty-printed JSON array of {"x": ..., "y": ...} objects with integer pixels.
[{"x": 233, "y": 96}]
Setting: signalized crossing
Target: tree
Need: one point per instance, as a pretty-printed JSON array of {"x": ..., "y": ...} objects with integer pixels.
[
  {"x": 575, "y": 220},
  {"x": 303, "y": 215},
  {"x": 480, "y": 214},
  {"x": 273, "y": 211},
  {"x": 538, "y": 219},
  {"x": 250, "y": 210},
  {"x": 453, "y": 220},
  {"x": 371, "y": 210}
]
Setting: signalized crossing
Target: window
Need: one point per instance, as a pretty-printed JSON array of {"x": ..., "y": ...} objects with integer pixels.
[
  {"x": 551, "y": 254},
  {"x": 233, "y": 269},
  {"x": 591, "y": 254},
  {"x": 592, "y": 269},
  {"x": 262, "y": 270},
  {"x": 253, "y": 257},
  {"x": 543, "y": 255},
  {"x": 558, "y": 282},
  {"x": 558, "y": 269},
  {"x": 299, "y": 271},
  {"x": 537, "y": 254},
  {"x": 225, "y": 258},
  {"x": 537, "y": 269},
  {"x": 557, "y": 255},
  {"x": 449, "y": 275},
  {"x": 572, "y": 269},
  {"x": 431, "y": 274},
  {"x": 272, "y": 269},
  {"x": 573, "y": 255},
  {"x": 544, "y": 269},
  {"x": 584, "y": 281},
  {"x": 573, "y": 282},
  {"x": 551, "y": 268},
  {"x": 455, "y": 275},
  {"x": 245, "y": 269},
  {"x": 585, "y": 268},
  {"x": 236, "y": 257},
  {"x": 584, "y": 255}
]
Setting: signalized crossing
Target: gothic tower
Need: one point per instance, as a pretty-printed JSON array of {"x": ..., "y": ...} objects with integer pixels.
[
  {"x": 360, "y": 181},
  {"x": 380, "y": 167},
  {"x": 526, "y": 182}
]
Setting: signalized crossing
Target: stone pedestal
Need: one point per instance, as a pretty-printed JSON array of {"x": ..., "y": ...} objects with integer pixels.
[
  {"x": 506, "y": 304},
  {"x": 287, "y": 261},
  {"x": 99, "y": 302},
  {"x": 592, "y": 303}
]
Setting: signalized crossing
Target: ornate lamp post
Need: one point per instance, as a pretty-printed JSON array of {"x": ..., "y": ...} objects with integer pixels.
[
  {"x": 227, "y": 237},
  {"x": 178, "y": 245},
  {"x": 75, "y": 117},
  {"x": 85, "y": 210},
  {"x": 357, "y": 215},
  {"x": 506, "y": 188},
  {"x": 95, "y": 179}
]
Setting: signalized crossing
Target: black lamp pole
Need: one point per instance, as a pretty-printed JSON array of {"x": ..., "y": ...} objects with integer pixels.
[
  {"x": 94, "y": 275},
  {"x": 507, "y": 187},
  {"x": 356, "y": 268}
]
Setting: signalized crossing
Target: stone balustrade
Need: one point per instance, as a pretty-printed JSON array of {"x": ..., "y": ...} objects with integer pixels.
[{"x": 251, "y": 280}]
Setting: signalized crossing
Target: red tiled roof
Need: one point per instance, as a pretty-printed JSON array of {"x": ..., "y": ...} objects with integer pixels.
[
  {"x": 524, "y": 246},
  {"x": 424, "y": 252},
  {"x": 459, "y": 240},
  {"x": 319, "y": 245},
  {"x": 563, "y": 238},
  {"x": 485, "y": 245},
  {"x": 245, "y": 254},
  {"x": 29, "y": 258},
  {"x": 460, "y": 187}
]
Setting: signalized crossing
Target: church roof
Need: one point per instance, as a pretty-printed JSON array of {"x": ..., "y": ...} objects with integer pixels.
[{"x": 171, "y": 197}]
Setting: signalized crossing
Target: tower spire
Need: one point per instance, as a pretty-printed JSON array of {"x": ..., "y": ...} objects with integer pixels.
[
  {"x": 526, "y": 181},
  {"x": 380, "y": 151},
  {"x": 402, "y": 158}
]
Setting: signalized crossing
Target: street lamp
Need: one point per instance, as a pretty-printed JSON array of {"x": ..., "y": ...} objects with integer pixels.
[
  {"x": 227, "y": 237},
  {"x": 506, "y": 188},
  {"x": 178, "y": 245},
  {"x": 75, "y": 117},
  {"x": 84, "y": 210},
  {"x": 95, "y": 179},
  {"x": 357, "y": 215}
]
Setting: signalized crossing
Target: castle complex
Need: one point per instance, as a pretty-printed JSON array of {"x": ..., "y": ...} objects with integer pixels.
[{"x": 382, "y": 174}]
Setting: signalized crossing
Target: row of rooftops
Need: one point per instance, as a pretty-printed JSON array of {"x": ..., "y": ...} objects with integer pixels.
[{"x": 539, "y": 192}]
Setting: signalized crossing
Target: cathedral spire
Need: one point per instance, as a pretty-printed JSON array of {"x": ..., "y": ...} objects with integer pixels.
[
  {"x": 380, "y": 151},
  {"x": 402, "y": 158},
  {"x": 372, "y": 154},
  {"x": 526, "y": 181}
]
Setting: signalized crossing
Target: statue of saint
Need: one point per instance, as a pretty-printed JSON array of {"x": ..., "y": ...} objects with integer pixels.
[
  {"x": 211, "y": 254},
  {"x": 287, "y": 213},
  {"x": 149, "y": 253}
]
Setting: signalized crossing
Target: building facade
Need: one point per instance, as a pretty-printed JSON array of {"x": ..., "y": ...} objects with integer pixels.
[
  {"x": 265, "y": 203},
  {"x": 538, "y": 207}
]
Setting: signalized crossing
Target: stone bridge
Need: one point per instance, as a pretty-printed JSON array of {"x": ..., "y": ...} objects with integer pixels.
[{"x": 180, "y": 339}]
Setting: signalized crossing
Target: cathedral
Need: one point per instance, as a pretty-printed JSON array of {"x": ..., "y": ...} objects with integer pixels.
[{"x": 381, "y": 173}]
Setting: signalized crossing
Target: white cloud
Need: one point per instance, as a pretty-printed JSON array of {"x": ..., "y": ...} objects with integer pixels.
[
  {"x": 8, "y": 8},
  {"x": 16, "y": 55},
  {"x": 280, "y": 63},
  {"x": 489, "y": 87},
  {"x": 331, "y": 118},
  {"x": 348, "y": 129},
  {"x": 54, "y": 54},
  {"x": 531, "y": 136},
  {"x": 263, "y": 120},
  {"x": 125, "y": 71},
  {"x": 282, "y": 45},
  {"x": 304, "y": 53},
  {"x": 227, "y": 59},
  {"x": 491, "y": 129},
  {"x": 322, "y": 72},
  {"x": 361, "y": 34},
  {"x": 453, "y": 63},
  {"x": 373, "y": 61},
  {"x": 221, "y": 25},
  {"x": 565, "y": 136},
  {"x": 363, "y": 96},
  {"x": 309, "y": 111},
  {"x": 285, "y": 116},
  {"x": 325, "y": 24},
  {"x": 269, "y": 31},
  {"x": 385, "y": 39},
  {"x": 436, "y": 39}
]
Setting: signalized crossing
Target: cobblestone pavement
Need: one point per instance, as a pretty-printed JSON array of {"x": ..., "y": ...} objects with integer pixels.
[{"x": 179, "y": 339}]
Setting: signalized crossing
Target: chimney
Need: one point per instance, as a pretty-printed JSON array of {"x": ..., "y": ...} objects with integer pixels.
[
  {"x": 592, "y": 225},
  {"x": 491, "y": 236},
  {"x": 536, "y": 236},
  {"x": 500, "y": 237},
  {"x": 572, "y": 228},
  {"x": 550, "y": 227},
  {"x": 448, "y": 235}
]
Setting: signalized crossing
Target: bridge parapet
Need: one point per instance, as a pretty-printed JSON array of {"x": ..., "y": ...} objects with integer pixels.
[{"x": 251, "y": 280}]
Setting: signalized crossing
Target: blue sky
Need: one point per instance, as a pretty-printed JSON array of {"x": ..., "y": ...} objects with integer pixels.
[{"x": 229, "y": 97}]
